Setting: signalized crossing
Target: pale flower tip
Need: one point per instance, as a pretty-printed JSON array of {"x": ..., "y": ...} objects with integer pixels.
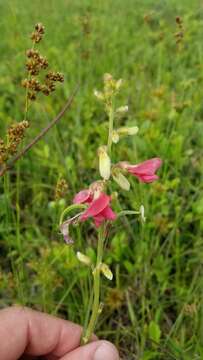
[
  {"x": 119, "y": 83},
  {"x": 121, "y": 180},
  {"x": 115, "y": 137},
  {"x": 83, "y": 258},
  {"x": 104, "y": 163},
  {"x": 126, "y": 131},
  {"x": 106, "y": 271},
  {"x": 142, "y": 213},
  {"x": 107, "y": 77},
  {"x": 99, "y": 95},
  {"x": 133, "y": 130},
  {"x": 122, "y": 109}
]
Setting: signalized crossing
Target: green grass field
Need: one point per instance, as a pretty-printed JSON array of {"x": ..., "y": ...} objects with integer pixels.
[{"x": 153, "y": 308}]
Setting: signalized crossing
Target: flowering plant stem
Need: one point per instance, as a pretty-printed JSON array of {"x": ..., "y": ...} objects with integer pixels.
[
  {"x": 111, "y": 120},
  {"x": 96, "y": 288}
]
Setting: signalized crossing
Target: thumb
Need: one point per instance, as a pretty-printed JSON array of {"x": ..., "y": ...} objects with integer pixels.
[{"x": 97, "y": 350}]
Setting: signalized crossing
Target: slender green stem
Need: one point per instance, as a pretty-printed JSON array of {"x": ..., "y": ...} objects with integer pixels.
[
  {"x": 96, "y": 288},
  {"x": 111, "y": 120}
]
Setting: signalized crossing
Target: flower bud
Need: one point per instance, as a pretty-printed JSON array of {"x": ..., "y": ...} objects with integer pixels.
[
  {"x": 122, "y": 109},
  {"x": 83, "y": 258},
  {"x": 142, "y": 213},
  {"x": 99, "y": 95},
  {"x": 119, "y": 83},
  {"x": 121, "y": 180},
  {"x": 107, "y": 78},
  {"x": 106, "y": 271},
  {"x": 128, "y": 130},
  {"x": 114, "y": 196},
  {"x": 115, "y": 137},
  {"x": 104, "y": 163}
]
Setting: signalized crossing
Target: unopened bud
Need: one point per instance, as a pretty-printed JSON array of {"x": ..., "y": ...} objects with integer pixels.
[
  {"x": 119, "y": 83},
  {"x": 106, "y": 271},
  {"x": 142, "y": 213},
  {"x": 83, "y": 258},
  {"x": 114, "y": 196},
  {"x": 115, "y": 137},
  {"x": 128, "y": 130},
  {"x": 122, "y": 109},
  {"x": 99, "y": 95},
  {"x": 101, "y": 306},
  {"x": 121, "y": 180},
  {"x": 104, "y": 163},
  {"x": 108, "y": 77}
]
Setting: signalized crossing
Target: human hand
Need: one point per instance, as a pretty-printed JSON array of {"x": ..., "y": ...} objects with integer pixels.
[{"x": 29, "y": 334}]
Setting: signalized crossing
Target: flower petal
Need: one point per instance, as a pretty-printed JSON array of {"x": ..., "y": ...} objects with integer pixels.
[
  {"x": 147, "y": 178},
  {"x": 108, "y": 213},
  {"x": 96, "y": 206},
  {"x": 147, "y": 167},
  {"x": 98, "y": 220},
  {"x": 82, "y": 197}
]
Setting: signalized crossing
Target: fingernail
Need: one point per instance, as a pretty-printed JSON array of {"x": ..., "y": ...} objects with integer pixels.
[{"x": 106, "y": 351}]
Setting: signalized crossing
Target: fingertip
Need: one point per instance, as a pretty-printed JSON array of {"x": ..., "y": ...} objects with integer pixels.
[
  {"x": 106, "y": 350},
  {"x": 97, "y": 350}
]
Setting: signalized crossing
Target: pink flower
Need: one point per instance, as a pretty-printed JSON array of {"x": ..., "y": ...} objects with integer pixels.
[
  {"x": 144, "y": 171},
  {"x": 83, "y": 197},
  {"x": 99, "y": 208}
]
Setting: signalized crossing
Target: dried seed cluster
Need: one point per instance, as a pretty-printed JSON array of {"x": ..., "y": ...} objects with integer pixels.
[
  {"x": 35, "y": 64},
  {"x": 15, "y": 135},
  {"x": 180, "y": 33},
  {"x": 61, "y": 189},
  {"x": 36, "y": 36}
]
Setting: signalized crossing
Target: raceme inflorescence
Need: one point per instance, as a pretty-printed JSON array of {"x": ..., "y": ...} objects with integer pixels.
[{"x": 96, "y": 201}]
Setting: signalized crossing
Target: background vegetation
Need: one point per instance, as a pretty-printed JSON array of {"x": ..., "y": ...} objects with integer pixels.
[{"x": 153, "y": 308}]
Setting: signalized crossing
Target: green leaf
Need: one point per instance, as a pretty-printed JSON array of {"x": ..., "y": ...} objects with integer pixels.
[{"x": 154, "y": 332}]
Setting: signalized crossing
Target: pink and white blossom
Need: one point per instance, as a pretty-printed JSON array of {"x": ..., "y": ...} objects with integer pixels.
[
  {"x": 144, "y": 171},
  {"x": 99, "y": 206}
]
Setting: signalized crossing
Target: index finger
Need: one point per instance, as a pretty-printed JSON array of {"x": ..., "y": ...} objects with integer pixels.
[{"x": 23, "y": 330}]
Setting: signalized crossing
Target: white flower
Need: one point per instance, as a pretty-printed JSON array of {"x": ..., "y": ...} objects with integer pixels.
[
  {"x": 106, "y": 271},
  {"x": 121, "y": 180},
  {"x": 83, "y": 258},
  {"x": 104, "y": 163}
]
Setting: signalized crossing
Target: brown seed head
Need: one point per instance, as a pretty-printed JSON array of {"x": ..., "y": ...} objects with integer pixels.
[
  {"x": 3, "y": 152},
  {"x": 15, "y": 134},
  {"x": 61, "y": 189},
  {"x": 55, "y": 76},
  {"x": 39, "y": 27},
  {"x": 45, "y": 90},
  {"x": 32, "y": 95}
]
